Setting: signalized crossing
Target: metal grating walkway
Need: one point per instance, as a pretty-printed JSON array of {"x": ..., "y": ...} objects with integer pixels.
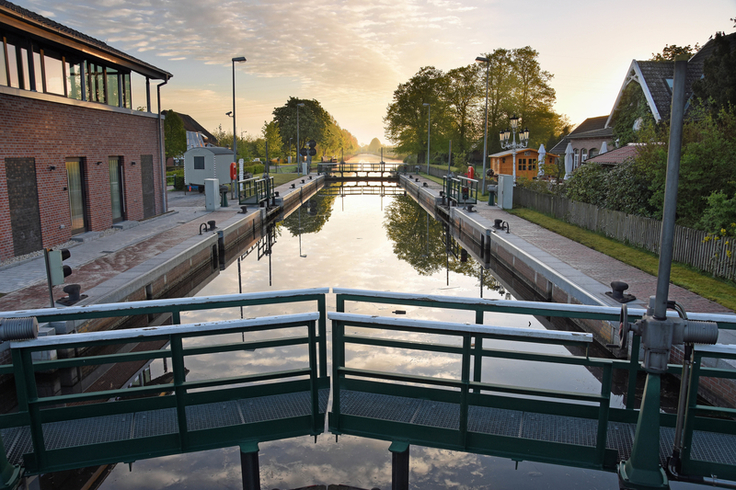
[
  {"x": 94, "y": 430},
  {"x": 707, "y": 446}
]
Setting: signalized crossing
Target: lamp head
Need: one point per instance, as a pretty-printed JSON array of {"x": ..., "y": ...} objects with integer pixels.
[
  {"x": 514, "y": 122},
  {"x": 239, "y": 59},
  {"x": 229, "y": 113},
  {"x": 481, "y": 59}
]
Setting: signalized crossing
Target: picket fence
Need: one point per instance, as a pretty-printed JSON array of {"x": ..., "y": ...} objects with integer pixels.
[{"x": 690, "y": 246}]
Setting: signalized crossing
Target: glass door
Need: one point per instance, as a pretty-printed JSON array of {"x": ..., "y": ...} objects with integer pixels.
[
  {"x": 116, "y": 190},
  {"x": 75, "y": 186}
]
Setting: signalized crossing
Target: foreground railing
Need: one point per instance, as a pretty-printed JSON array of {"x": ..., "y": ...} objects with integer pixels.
[
  {"x": 208, "y": 411},
  {"x": 255, "y": 190},
  {"x": 446, "y": 423},
  {"x": 466, "y": 396}
]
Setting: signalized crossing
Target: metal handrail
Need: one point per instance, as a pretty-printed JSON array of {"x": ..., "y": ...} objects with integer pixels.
[
  {"x": 35, "y": 411},
  {"x": 465, "y": 392}
]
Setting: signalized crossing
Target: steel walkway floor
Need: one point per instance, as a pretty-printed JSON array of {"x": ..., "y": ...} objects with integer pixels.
[
  {"x": 60, "y": 435},
  {"x": 707, "y": 446}
]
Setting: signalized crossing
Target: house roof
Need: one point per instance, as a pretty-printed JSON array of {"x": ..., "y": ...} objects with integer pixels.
[
  {"x": 617, "y": 156},
  {"x": 508, "y": 153},
  {"x": 191, "y": 125},
  {"x": 215, "y": 150},
  {"x": 32, "y": 24},
  {"x": 656, "y": 79},
  {"x": 591, "y": 128}
]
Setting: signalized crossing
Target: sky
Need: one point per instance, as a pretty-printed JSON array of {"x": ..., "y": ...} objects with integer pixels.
[{"x": 351, "y": 55}]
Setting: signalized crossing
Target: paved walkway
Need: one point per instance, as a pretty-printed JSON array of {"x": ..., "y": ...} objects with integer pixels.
[{"x": 596, "y": 265}]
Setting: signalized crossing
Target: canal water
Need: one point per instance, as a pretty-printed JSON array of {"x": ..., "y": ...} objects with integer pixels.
[{"x": 383, "y": 243}]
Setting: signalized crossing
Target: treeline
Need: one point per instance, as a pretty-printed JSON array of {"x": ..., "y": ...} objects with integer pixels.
[
  {"x": 451, "y": 106},
  {"x": 280, "y": 133}
]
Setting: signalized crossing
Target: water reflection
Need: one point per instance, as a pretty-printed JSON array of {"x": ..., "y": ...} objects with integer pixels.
[{"x": 357, "y": 245}]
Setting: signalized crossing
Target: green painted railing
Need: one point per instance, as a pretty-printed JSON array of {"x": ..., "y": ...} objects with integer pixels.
[
  {"x": 255, "y": 190},
  {"x": 462, "y": 191},
  {"x": 721, "y": 420},
  {"x": 176, "y": 306},
  {"x": 464, "y": 391},
  {"x": 106, "y": 407}
]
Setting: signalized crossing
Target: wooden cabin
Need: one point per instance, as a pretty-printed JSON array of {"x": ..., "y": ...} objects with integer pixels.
[{"x": 526, "y": 162}]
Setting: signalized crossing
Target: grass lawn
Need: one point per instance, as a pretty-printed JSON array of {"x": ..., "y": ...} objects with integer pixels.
[{"x": 721, "y": 291}]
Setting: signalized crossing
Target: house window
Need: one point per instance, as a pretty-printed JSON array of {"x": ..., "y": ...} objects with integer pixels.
[
  {"x": 198, "y": 163},
  {"x": 576, "y": 158},
  {"x": 532, "y": 164},
  {"x": 583, "y": 154},
  {"x": 592, "y": 153}
]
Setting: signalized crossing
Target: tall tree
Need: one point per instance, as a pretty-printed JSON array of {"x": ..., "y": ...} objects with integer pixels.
[
  {"x": 272, "y": 135},
  {"x": 533, "y": 95},
  {"x": 670, "y": 52},
  {"x": 175, "y": 136},
  {"x": 501, "y": 82},
  {"x": 313, "y": 120},
  {"x": 463, "y": 94},
  {"x": 717, "y": 88},
  {"x": 407, "y": 117}
]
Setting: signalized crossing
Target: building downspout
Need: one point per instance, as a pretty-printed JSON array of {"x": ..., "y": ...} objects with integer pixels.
[{"x": 162, "y": 154}]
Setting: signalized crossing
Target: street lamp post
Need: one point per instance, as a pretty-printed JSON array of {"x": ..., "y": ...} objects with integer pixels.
[
  {"x": 239, "y": 59},
  {"x": 298, "y": 155},
  {"x": 481, "y": 59},
  {"x": 508, "y": 139},
  {"x": 429, "y": 119}
]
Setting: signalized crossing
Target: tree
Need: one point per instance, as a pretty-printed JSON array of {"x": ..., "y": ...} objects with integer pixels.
[
  {"x": 175, "y": 137},
  {"x": 313, "y": 120},
  {"x": 374, "y": 146},
  {"x": 272, "y": 136},
  {"x": 501, "y": 81},
  {"x": 670, "y": 52},
  {"x": 533, "y": 96},
  {"x": 463, "y": 94},
  {"x": 717, "y": 88},
  {"x": 406, "y": 117}
]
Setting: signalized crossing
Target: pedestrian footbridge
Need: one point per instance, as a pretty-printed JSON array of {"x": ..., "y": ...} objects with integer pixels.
[{"x": 246, "y": 403}]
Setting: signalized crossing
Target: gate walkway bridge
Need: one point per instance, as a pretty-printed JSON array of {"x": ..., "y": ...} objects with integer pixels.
[{"x": 240, "y": 407}]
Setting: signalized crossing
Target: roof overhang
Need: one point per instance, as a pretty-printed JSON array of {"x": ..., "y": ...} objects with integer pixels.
[
  {"x": 48, "y": 33},
  {"x": 634, "y": 74}
]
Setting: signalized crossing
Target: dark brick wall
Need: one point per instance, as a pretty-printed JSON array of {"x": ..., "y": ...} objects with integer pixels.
[
  {"x": 149, "y": 193},
  {"x": 25, "y": 220},
  {"x": 49, "y": 133}
]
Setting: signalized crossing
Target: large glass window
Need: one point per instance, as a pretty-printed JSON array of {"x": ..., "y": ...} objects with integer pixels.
[
  {"x": 74, "y": 80},
  {"x": 113, "y": 89},
  {"x": 3, "y": 71},
  {"x": 25, "y": 79},
  {"x": 12, "y": 53},
  {"x": 38, "y": 72},
  {"x": 54, "y": 69},
  {"x": 28, "y": 66}
]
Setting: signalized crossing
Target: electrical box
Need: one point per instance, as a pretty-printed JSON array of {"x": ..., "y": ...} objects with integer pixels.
[
  {"x": 505, "y": 191},
  {"x": 211, "y": 194}
]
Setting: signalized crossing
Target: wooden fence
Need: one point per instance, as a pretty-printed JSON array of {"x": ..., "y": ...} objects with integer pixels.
[{"x": 690, "y": 246}]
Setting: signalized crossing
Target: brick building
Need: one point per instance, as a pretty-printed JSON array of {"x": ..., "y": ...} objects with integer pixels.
[{"x": 75, "y": 156}]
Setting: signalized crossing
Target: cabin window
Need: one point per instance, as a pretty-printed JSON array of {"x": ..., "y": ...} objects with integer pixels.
[{"x": 199, "y": 163}]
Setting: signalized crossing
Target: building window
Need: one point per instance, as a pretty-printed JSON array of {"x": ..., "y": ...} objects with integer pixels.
[
  {"x": 592, "y": 153},
  {"x": 27, "y": 66},
  {"x": 576, "y": 158},
  {"x": 199, "y": 163},
  {"x": 583, "y": 155}
]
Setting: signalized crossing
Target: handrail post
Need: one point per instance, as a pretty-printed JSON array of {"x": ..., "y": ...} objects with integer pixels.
[
  {"x": 35, "y": 423},
  {"x": 603, "y": 410},
  {"x": 478, "y": 355},
  {"x": 465, "y": 377},
  {"x": 177, "y": 363},
  {"x": 689, "y": 425},
  {"x": 633, "y": 373},
  {"x": 313, "y": 388},
  {"x": 338, "y": 361},
  {"x": 322, "y": 308}
]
